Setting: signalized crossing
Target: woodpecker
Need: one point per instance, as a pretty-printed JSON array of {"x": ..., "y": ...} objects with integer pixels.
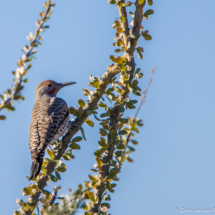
[{"x": 49, "y": 121}]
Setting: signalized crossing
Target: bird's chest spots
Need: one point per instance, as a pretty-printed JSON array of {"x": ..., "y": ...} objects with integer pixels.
[{"x": 61, "y": 131}]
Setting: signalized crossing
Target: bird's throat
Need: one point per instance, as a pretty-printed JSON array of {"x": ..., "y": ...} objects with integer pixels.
[{"x": 52, "y": 91}]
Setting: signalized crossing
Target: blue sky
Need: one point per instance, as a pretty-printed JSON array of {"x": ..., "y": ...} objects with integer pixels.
[{"x": 174, "y": 161}]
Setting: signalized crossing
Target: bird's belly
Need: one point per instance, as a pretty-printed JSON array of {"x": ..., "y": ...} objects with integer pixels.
[{"x": 61, "y": 131}]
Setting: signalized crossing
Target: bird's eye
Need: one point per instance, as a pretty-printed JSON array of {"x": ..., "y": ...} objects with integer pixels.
[{"x": 49, "y": 85}]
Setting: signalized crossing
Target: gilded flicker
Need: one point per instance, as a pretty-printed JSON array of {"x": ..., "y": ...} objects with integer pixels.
[{"x": 49, "y": 121}]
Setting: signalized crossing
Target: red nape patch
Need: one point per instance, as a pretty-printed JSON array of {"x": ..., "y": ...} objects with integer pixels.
[{"x": 52, "y": 91}]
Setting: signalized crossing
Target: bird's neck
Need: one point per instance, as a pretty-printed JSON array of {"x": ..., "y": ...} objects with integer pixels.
[{"x": 43, "y": 96}]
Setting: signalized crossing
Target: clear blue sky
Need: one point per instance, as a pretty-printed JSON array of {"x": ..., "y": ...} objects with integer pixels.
[{"x": 174, "y": 162}]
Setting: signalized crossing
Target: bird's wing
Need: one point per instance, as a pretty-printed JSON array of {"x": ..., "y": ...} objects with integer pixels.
[{"x": 47, "y": 117}]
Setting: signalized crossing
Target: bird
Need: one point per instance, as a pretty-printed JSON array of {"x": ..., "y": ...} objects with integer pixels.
[{"x": 49, "y": 121}]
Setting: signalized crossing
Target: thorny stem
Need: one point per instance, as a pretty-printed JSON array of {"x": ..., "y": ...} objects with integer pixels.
[
  {"x": 20, "y": 88},
  {"x": 130, "y": 45}
]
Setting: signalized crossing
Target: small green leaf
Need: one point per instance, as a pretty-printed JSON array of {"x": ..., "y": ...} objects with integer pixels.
[
  {"x": 89, "y": 122},
  {"x": 2, "y": 117},
  {"x": 113, "y": 58},
  {"x": 118, "y": 153},
  {"x": 122, "y": 120},
  {"x": 134, "y": 142},
  {"x": 82, "y": 132},
  {"x": 53, "y": 178},
  {"x": 127, "y": 4},
  {"x": 50, "y": 153},
  {"x": 105, "y": 204},
  {"x": 106, "y": 197},
  {"x": 103, "y": 132},
  {"x": 77, "y": 139},
  {"x": 122, "y": 18},
  {"x": 148, "y": 12},
  {"x": 121, "y": 108},
  {"x": 102, "y": 105},
  {"x": 57, "y": 175},
  {"x": 141, "y": 1},
  {"x": 112, "y": 1},
  {"x": 122, "y": 132},
  {"x": 81, "y": 102},
  {"x": 46, "y": 192},
  {"x": 91, "y": 196},
  {"x": 112, "y": 134},
  {"x": 74, "y": 146},
  {"x": 61, "y": 169},
  {"x": 114, "y": 171},
  {"x": 119, "y": 50},
  {"x": 150, "y": 2},
  {"x": 146, "y": 36},
  {"x": 92, "y": 178}
]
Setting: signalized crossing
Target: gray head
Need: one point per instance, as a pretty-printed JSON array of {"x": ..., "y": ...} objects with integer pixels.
[{"x": 49, "y": 89}]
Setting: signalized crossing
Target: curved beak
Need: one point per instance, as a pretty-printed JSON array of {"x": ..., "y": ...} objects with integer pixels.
[{"x": 64, "y": 84}]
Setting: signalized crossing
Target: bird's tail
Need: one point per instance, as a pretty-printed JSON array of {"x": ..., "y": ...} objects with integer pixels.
[{"x": 36, "y": 167}]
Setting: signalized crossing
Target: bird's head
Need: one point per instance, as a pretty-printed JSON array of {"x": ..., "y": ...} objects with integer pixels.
[{"x": 49, "y": 89}]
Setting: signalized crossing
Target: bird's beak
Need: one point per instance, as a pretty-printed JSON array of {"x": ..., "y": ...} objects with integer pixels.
[{"x": 64, "y": 84}]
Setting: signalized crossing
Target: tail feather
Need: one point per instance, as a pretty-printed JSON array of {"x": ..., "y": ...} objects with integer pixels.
[{"x": 35, "y": 168}]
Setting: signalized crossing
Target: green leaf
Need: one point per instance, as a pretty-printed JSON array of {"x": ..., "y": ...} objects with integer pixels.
[
  {"x": 122, "y": 132},
  {"x": 77, "y": 139},
  {"x": 127, "y": 4},
  {"x": 121, "y": 146},
  {"x": 134, "y": 142},
  {"x": 94, "y": 170},
  {"x": 118, "y": 153},
  {"x": 57, "y": 175},
  {"x": 2, "y": 117},
  {"x": 81, "y": 102},
  {"x": 121, "y": 108},
  {"x": 106, "y": 197},
  {"x": 140, "y": 55},
  {"x": 148, "y": 12},
  {"x": 105, "y": 204},
  {"x": 92, "y": 178},
  {"x": 119, "y": 50},
  {"x": 122, "y": 18},
  {"x": 113, "y": 58},
  {"x": 150, "y": 2},
  {"x": 146, "y": 36},
  {"x": 74, "y": 146},
  {"x": 61, "y": 169},
  {"x": 141, "y": 1},
  {"x": 102, "y": 142},
  {"x": 114, "y": 171},
  {"x": 112, "y": 1},
  {"x": 53, "y": 178},
  {"x": 122, "y": 120},
  {"x": 50, "y": 153},
  {"x": 89, "y": 122},
  {"x": 134, "y": 35},
  {"x": 25, "y": 192},
  {"x": 112, "y": 134},
  {"x": 73, "y": 111},
  {"x": 82, "y": 132},
  {"x": 102, "y": 105},
  {"x": 91, "y": 196},
  {"x": 96, "y": 117},
  {"x": 46, "y": 192},
  {"x": 138, "y": 75},
  {"x": 130, "y": 106},
  {"x": 103, "y": 132},
  {"x": 108, "y": 186}
]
